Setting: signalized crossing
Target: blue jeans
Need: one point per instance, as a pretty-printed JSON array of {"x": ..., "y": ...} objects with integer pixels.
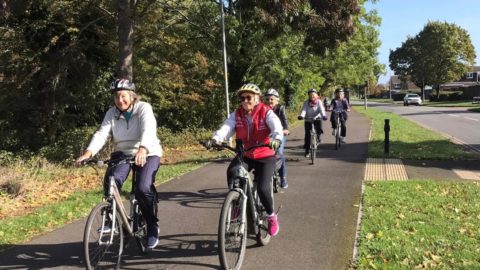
[
  {"x": 144, "y": 188},
  {"x": 282, "y": 172}
]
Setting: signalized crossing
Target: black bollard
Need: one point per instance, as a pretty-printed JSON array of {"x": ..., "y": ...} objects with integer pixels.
[{"x": 386, "y": 128}]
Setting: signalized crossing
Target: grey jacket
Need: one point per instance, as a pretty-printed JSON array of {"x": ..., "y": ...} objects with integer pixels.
[{"x": 140, "y": 130}]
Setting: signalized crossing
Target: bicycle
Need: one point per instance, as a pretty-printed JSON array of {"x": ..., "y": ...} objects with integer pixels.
[
  {"x": 241, "y": 209},
  {"x": 313, "y": 142},
  {"x": 338, "y": 115},
  {"x": 108, "y": 224}
]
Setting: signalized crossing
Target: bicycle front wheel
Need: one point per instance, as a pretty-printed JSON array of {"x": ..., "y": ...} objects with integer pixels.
[
  {"x": 232, "y": 232},
  {"x": 313, "y": 147},
  {"x": 103, "y": 245}
]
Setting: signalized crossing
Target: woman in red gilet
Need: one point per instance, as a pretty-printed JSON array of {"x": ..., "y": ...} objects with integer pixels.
[{"x": 255, "y": 123}]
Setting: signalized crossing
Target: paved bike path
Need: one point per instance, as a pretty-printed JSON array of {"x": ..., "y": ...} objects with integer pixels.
[{"x": 317, "y": 219}]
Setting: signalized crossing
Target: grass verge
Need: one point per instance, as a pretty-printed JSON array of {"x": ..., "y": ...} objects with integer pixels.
[
  {"x": 420, "y": 224},
  {"x": 453, "y": 103},
  {"x": 409, "y": 140},
  {"x": 18, "y": 229}
]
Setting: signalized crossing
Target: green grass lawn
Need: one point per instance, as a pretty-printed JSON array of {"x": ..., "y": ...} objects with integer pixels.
[
  {"x": 420, "y": 224},
  {"x": 455, "y": 103},
  {"x": 409, "y": 140}
]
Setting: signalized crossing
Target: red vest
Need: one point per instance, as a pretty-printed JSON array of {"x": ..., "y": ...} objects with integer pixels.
[{"x": 256, "y": 134}]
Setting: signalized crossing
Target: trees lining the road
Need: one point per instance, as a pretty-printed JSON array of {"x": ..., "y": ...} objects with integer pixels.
[
  {"x": 58, "y": 58},
  {"x": 442, "y": 52}
]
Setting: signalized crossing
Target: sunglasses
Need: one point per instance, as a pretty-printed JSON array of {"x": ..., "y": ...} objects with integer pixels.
[
  {"x": 247, "y": 98},
  {"x": 269, "y": 99}
]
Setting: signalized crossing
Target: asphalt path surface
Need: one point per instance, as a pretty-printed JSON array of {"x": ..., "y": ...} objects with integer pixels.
[
  {"x": 318, "y": 218},
  {"x": 455, "y": 122}
]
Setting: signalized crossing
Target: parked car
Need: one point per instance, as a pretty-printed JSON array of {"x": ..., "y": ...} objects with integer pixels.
[{"x": 412, "y": 99}]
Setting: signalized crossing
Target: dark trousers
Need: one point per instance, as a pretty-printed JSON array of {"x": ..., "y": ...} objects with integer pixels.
[
  {"x": 333, "y": 120},
  {"x": 308, "y": 126},
  {"x": 264, "y": 169},
  {"x": 144, "y": 188}
]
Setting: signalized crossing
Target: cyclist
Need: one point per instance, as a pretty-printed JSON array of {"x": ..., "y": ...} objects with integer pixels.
[
  {"x": 339, "y": 103},
  {"x": 313, "y": 112},
  {"x": 133, "y": 128},
  {"x": 254, "y": 123},
  {"x": 271, "y": 99}
]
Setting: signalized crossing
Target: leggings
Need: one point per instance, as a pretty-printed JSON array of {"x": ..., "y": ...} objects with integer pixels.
[{"x": 264, "y": 169}]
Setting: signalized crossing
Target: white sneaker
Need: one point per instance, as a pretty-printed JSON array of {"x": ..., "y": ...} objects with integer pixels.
[
  {"x": 333, "y": 132},
  {"x": 342, "y": 139}
]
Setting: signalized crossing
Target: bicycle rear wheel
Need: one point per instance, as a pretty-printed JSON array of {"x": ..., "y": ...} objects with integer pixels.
[
  {"x": 139, "y": 226},
  {"x": 232, "y": 235},
  {"x": 263, "y": 237},
  {"x": 102, "y": 244}
]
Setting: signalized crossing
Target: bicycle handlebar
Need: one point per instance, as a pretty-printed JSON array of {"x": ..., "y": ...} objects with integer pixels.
[
  {"x": 111, "y": 162},
  {"x": 235, "y": 150}
]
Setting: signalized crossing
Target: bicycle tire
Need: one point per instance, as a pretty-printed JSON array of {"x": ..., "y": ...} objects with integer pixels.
[
  {"x": 275, "y": 182},
  {"x": 232, "y": 236},
  {"x": 313, "y": 147},
  {"x": 100, "y": 255},
  {"x": 139, "y": 225},
  {"x": 262, "y": 235}
]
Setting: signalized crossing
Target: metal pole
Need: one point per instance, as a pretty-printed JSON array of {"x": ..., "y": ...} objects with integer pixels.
[
  {"x": 386, "y": 128},
  {"x": 224, "y": 40},
  {"x": 365, "y": 94}
]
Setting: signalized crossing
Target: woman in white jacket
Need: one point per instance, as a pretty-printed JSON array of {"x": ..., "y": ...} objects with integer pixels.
[
  {"x": 132, "y": 126},
  {"x": 313, "y": 112}
]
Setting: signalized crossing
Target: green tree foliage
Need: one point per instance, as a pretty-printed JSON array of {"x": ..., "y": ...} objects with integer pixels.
[
  {"x": 52, "y": 53},
  {"x": 58, "y": 58},
  {"x": 442, "y": 52}
]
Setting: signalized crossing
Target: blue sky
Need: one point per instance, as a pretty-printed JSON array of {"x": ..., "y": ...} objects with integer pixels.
[{"x": 403, "y": 18}]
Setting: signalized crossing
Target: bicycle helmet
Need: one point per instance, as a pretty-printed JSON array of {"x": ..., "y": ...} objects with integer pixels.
[
  {"x": 339, "y": 90},
  {"x": 272, "y": 92},
  {"x": 122, "y": 84},
  {"x": 249, "y": 87},
  {"x": 312, "y": 90}
]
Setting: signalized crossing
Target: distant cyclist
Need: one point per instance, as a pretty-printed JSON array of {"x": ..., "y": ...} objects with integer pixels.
[
  {"x": 271, "y": 99},
  {"x": 255, "y": 123},
  {"x": 340, "y": 103},
  {"x": 313, "y": 112}
]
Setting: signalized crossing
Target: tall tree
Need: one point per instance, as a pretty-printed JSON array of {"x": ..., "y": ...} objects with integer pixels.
[{"x": 442, "y": 52}]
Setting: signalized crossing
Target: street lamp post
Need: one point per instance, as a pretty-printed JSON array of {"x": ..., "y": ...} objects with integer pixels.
[{"x": 224, "y": 41}]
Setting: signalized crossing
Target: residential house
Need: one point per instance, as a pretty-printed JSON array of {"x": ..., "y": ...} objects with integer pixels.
[
  {"x": 469, "y": 79},
  {"x": 397, "y": 84}
]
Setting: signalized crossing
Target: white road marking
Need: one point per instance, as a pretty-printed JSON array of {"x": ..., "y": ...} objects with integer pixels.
[
  {"x": 454, "y": 115},
  {"x": 473, "y": 119}
]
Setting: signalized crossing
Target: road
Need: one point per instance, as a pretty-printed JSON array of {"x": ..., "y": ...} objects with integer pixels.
[
  {"x": 457, "y": 123},
  {"x": 318, "y": 218}
]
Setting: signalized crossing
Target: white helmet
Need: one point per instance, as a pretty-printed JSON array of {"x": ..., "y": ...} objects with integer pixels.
[{"x": 272, "y": 92}]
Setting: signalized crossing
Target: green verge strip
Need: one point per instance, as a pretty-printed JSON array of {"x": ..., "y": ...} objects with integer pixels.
[
  {"x": 20, "y": 229},
  {"x": 409, "y": 140},
  {"x": 420, "y": 224}
]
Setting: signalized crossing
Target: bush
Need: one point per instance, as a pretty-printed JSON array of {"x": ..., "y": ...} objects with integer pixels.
[
  {"x": 182, "y": 138},
  {"x": 448, "y": 96}
]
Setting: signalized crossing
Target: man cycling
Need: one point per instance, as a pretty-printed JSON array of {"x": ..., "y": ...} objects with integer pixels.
[
  {"x": 340, "y": 103},
  {"x": 313, "y": 112},
  {"x": 255, "y": 123}
]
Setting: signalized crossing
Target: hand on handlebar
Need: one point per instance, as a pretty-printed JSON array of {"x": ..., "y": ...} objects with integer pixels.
[
  {"x": 274, "y": 144},
  {"x": 324, "y": 118},
  {"x": 300, "y": 117},
  {"x": 210, "y": 143}
]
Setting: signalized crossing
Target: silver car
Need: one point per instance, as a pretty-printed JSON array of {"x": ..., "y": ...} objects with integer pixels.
[{"x": 412, "y": 99}]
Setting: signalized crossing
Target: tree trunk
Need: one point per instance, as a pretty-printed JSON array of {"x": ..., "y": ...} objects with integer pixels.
[
  {"x": 437, "y": 90},
  {"x": 125, "y": 38}
]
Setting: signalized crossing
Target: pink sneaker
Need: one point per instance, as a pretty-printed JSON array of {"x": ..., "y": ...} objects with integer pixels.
[{"x": 273, "y": 226}]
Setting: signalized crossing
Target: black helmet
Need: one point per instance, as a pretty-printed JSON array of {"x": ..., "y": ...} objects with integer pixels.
[
  {"x": 122, "y": 84},
  {"x": 339, "y": 90},
  {"x": 312, "y": 90}
]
